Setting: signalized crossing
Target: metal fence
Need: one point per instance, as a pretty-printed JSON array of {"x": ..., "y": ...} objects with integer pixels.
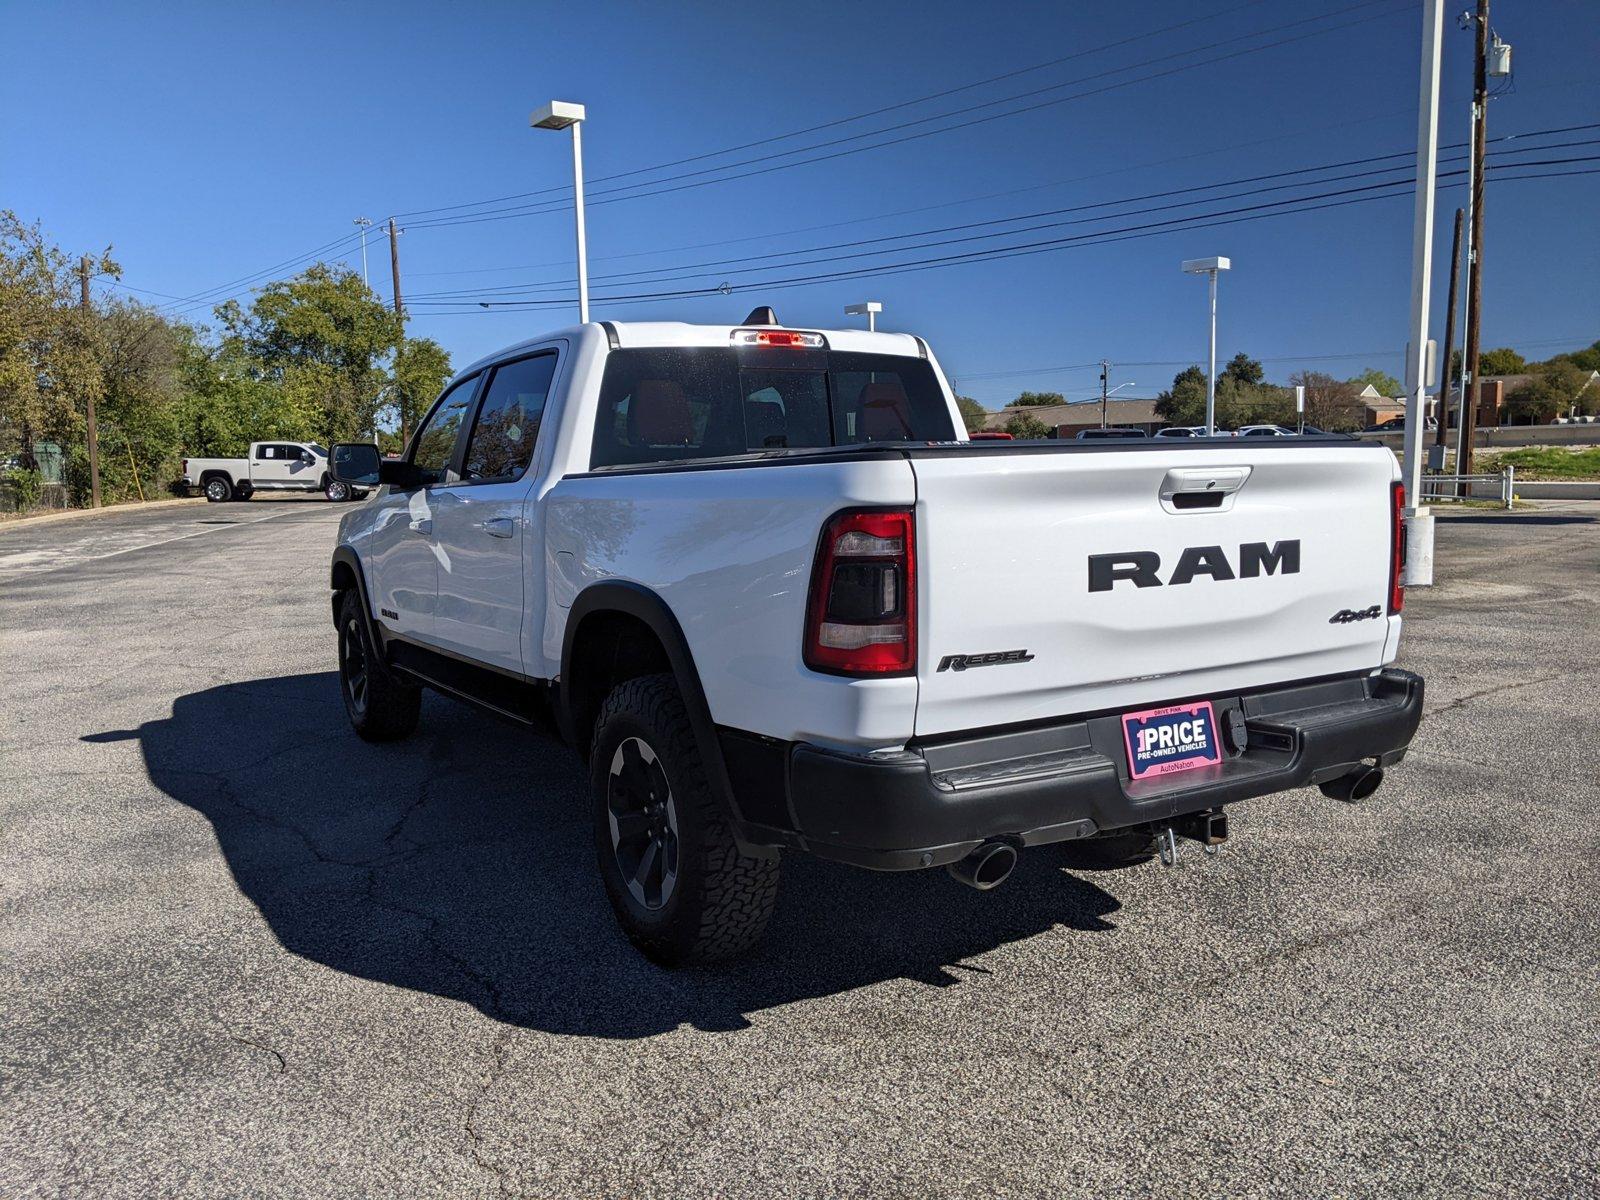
[{"x": 1500, "y": 487}]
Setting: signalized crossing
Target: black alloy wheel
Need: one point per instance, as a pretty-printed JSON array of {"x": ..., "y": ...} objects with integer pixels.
[{"x": 644, "y": 823}]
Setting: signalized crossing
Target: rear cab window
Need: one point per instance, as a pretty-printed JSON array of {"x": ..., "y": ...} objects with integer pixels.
[{"x": 677, "y": 403}]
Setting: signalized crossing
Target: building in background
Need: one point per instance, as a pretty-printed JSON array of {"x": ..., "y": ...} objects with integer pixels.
[{"x": 1067, "y": 419}]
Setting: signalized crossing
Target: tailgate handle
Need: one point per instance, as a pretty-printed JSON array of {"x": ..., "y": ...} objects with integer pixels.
[{"x": 1191, "y": 489}]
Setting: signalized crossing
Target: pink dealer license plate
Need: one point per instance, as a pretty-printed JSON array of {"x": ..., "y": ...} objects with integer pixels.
[{"x": 1162, "y": 741}]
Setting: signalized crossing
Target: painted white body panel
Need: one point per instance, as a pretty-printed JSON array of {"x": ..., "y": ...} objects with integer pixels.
[
  {"x": 1004, "y": 547},
  {"x": 730, "y": 551}
]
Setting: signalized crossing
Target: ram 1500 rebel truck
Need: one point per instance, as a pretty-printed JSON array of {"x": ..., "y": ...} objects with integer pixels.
[
  {"x": 269, "y": 467},
  {"x": 760, "y": 580}
]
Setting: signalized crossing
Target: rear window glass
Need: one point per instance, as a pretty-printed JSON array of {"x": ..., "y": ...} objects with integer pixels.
[{"x": 669, "y": 404}]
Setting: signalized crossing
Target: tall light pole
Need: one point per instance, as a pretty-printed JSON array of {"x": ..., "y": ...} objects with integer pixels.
[
  {"x": 1211, "y": 267},
  {"x": 1419, "y": 521},
  {"x": 363, "y": 222},
  {"x": 869, "y": 309},
  {"x": 559, "y": 114}
]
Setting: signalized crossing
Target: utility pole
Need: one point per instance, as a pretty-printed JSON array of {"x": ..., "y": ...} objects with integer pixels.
[
  {"x": 1480, "y": 121},
  {"x": 94, "y": 432},
  {"x": 1105, "y": 369},
  {"x": 399, "y": 311},
  {"x": 1442, "y": 409}
]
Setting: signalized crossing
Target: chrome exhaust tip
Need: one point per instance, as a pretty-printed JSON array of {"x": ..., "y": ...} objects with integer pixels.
[
  {"x": 987, "y": 867},
  {"x": 1355, "y": 785}
]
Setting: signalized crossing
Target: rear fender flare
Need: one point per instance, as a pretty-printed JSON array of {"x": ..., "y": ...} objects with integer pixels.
[{"x": 638, "y": 601}]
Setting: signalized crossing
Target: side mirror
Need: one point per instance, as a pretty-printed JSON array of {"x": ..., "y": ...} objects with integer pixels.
[
  {"x": 355, "y": 463},
  {"x": 307, "y": 457},
  {"x": 359, "y": 465}
]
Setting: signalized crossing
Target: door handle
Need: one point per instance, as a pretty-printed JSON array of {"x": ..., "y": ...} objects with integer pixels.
[
  {"x": 498, "y": 527},
  {"x": 422, "y": 525}
]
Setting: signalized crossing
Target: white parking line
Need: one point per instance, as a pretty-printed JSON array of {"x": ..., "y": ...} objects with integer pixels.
[{"x": 10, "y": 561}]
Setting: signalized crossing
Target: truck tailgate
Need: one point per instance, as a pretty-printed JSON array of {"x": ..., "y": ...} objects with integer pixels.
[{"x": 1060, "y": 582}]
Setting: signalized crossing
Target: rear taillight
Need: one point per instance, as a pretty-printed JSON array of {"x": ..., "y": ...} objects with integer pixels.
[
  {"x": 861, "y": 618},
  {"x": 1397, "y": 547}
]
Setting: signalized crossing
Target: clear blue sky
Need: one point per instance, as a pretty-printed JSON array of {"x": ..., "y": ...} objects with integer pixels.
[{"x": 206, "y": 142}]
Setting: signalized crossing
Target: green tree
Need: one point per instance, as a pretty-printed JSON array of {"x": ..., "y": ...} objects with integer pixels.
[
  {"x": 973, "y": 414},
  {"x": 319, "y": 337},
  {"x": 1384, "y": 383},
  {"x": 1504, "y": 361},
  {"x": 1026, "y": 425},
  {"x": 1243, "y": 369},
  {"x": 418, "y": 374},
  {"x": 1184, "y": 403},
  {"x": 49, "y": 347},
  {"x": 1037, "y": 400},
  {"x": 1588, "y": 359},
  {"x": 1556, "y": 388}
]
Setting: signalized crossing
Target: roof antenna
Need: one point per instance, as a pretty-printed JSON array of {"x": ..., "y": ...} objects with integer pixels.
[{"x": 761, "y": 315}]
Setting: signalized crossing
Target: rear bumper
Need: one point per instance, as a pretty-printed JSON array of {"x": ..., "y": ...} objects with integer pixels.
[{"x": 934, "y": 803}]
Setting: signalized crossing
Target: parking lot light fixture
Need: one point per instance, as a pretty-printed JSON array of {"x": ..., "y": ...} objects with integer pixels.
[
  {"x": 1210, "y": 267},
  {"x": 869, "y": 309},
  {"x": 561, "y": 114}
]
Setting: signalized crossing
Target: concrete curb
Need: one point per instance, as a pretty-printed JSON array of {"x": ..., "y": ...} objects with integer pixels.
[{"x": 77, "y": 513}]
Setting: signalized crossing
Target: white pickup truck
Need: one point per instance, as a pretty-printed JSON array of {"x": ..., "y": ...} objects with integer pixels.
[
  {"x": 763, "y": 584},
  {"x": 269, "y": 467}
]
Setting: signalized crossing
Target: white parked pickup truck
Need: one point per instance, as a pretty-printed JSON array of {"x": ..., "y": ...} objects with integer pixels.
[
  {"x": 269, "y": 467},
  {"x": 760, "y": 580}
]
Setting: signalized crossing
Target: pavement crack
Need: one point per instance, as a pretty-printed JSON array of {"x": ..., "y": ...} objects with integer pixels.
[
  {"x": 283, "y": 1067},
  {"x": 498, "y": 1052},
  {"x": 1498, "y": 690}
]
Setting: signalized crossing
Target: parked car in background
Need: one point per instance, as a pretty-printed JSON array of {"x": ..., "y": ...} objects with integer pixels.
[
  {"x": 1095, "y": 435},
  {"x": 1190, "y": 431},
  {"x": 1263, "y": 431},
  {"x": 1395, "y": 424},
  {"x": 269, "y": 467},
  {"x": 750, "y": 574}
]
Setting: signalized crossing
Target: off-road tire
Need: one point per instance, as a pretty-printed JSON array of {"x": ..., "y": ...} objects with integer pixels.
[
  {"x": 386, "y": 708},
  {"x": 336, "y": 491},
  {"x": 217, "y": 489},
  {"x": 721, "y": 900}
]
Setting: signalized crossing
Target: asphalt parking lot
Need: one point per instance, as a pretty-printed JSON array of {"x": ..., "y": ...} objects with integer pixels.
[{"x": 246, "y": 953}]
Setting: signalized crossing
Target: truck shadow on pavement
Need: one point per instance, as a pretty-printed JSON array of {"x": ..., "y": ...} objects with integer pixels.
[{"x": 461, "y": 863}]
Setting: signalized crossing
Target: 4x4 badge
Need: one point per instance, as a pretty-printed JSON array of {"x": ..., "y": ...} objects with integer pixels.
[{"x": 1344, "y": 616}]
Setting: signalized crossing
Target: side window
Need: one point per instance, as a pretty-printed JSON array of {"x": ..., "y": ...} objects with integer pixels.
[
  {"x": 664, "y": 405},
  {"x": 507, "y": 426},
  {"x": 266, "y": 452},
  {"x": 436, "y": 440},
  {"x": 292, "y": 453}
]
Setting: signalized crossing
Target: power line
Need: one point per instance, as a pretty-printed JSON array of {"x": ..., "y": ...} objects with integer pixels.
[
  {"x": 1203, "y": 221},
  {"x": 436, "y": 299},
  {"x": 686, "y": 270},
  {"x": 847, "y": 120},
  {"x": 614, "y": 195}
]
